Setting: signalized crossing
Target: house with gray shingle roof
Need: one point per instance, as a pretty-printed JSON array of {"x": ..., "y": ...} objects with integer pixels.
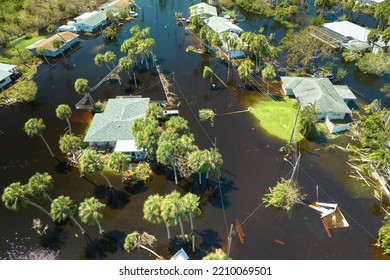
[
  {"x": 329, "y": 100},
  {"x": 111, "y": 129}
]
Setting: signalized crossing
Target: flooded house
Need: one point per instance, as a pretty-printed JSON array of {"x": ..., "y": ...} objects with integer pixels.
[
  {"x": 110, "y": 130},
  {"x": 68, "y": 39},
  {"x": 8, "y": 74}
]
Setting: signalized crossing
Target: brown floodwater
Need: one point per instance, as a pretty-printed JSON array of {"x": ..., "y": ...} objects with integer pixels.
[{"x": 252, "y": 163}]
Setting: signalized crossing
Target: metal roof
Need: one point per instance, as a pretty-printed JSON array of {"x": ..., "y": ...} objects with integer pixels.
[
  {"x": 349, "y": 29},
  {"x": 5, "y": 70},
  {"x": 344, "y": 92},
  {"x": 319, "y": 92},
  {"x": 115, "y": 122},
  {"x": 92, "y": 19},
  {"x": 220, "y": 25},
  {"x": 202, "y": 9}
]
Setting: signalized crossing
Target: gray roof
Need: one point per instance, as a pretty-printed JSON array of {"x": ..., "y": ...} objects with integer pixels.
[
  {"x": 220, "y": 25},
  {"x": 6, "y": 70},
  {"x": 319, "y": 92},
  {"x": 115, "y": 122},
  {"x": 93, "y": 20},
  {"x": 344, "y": 92}
]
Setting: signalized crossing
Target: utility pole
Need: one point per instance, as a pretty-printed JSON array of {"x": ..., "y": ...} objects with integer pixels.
[
  {"x": 230, "y": 237},
  {"x": 295, "y": 123},
  {"x": 295, "y": 167}
]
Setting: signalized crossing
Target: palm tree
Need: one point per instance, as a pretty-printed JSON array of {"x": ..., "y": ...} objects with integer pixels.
[
  {"x": 41, "y": 51},
  {"x": 110, "y": 57},
  {"x": 100, "y": 60},
  {"x": 63, "y": 208},
  {"x": 268, "y": 74},
  {"x": 198, "y": 163},
  {"x": 117, "y": 162},
  {"x": 39, "y": 184},
  {"x": 219, "y": 254},
  {"x": 152, "y": 211},
  {"x": 91, "y": 212},
  {"x": 245, "y": 69},
  {"x": 207, "y": 71},
  {"x": 190, "y": 203},
  {"x": 71, "y": 144},
  {"x": 136, "y": 240},
  {"x": 91, "y": 162},
  {"x": 166, "y": 150},
  {"x": 125, "y": 64},
  {"x": 36, "y": 127},
  {"x": 214, "y": 160},
  {"x": 172, "y": 208},
  {"x": 16, "y": 195},
  {"x": 147, "y": 132},
  {"x": 81, "y": 86},
  {"x": 64, "y": 112},
  {"x": 178, "y": 125}
]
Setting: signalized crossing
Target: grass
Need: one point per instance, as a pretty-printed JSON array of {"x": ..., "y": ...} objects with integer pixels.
[
  {"x": 21, "y": 43},
  {"x": 277, "y": 117}
]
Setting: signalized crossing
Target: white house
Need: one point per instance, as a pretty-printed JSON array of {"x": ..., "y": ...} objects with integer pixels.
[
  {"x": 89, "y": 22},
  {"x": 330, "y": 101},
  {"x": 203, "y": 10},
  {"x": 111, "y": 129},
  {"x": 221, "y": 25},
  {"x": 68, "y": 39},
  {"x": 8, "y": 73}
]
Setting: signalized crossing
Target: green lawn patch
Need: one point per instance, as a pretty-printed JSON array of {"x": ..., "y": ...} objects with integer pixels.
[
  {"x": 21, "y": 43},
  {"x": 277, "y": 117}
]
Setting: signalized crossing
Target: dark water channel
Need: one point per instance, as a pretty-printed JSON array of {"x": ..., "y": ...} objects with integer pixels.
[{"x": 252, "y": 163}]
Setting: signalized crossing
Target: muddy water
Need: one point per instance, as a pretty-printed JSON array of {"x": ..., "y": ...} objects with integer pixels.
[{"x": 251, "y": 165}]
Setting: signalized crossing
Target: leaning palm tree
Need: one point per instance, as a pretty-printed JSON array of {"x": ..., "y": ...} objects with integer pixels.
[
  {"x": 91, "y": 212},
  {"x": 91, "y": 162},
  {"x": 71, "y": 144},
  {"x": 219, "y": 254},
  {"x": 207, "y": 114},
  {"x": 36, "y": 127},
  {"x": 41, "y": 51},
  {"x": 39, "y": 184},
  {"x": 81, "y": 86},
  {"x": 190, "y": 203},
  {"x": 63, "y": 208},
  {"x": 16, "y": 195},
  {"x": 136, "y": 240},
  {"x": 100, "y": 61},
  {"x": 118, "y": 162},
  {"x": 110, "y": 57},
  {"x": 172, "y": 209},
  {"x": 207, "y": 71},
  {"x": 152, "y": 211},
  {"x": 64, "y": 112}
]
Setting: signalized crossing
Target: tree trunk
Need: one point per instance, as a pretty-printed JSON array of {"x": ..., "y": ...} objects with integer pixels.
[
  {"x": 47, "y": 61},
  {"x": 128, "y": 73},
  {"x": 192, "y": 222},
  {"x": 200, "y": 178},
  {"x": 66, "y": 61},
  {"x": 78, "y": 224},
  {"x": 47, "y": 145},
  {"x": 181, "y": 227},
  {"x": 49, "y": 198},
  {"x": 105, "y": 177},
  {"x": 100, "y": 227},
  {"x": 39, "y": 207},
  {"x": 70, "y": 128},
  {"x": 174, "y": 171},
  {"x": 168, "y": 232},
  {"x": 151, "y": 251},
  {"x": 135, "y": 80}
]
